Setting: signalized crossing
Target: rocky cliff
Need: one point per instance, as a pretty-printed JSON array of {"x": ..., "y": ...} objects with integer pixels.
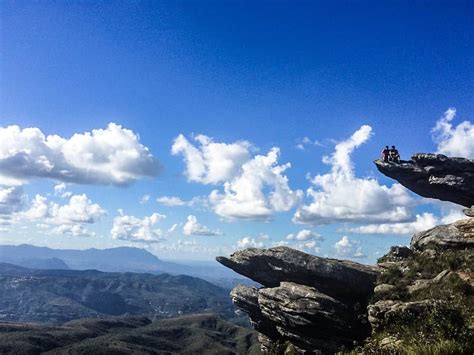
[
  {"x": 434, "y": 176},
  {"x": 417, "y": 299},
  {"x": 308, "y": 301}
]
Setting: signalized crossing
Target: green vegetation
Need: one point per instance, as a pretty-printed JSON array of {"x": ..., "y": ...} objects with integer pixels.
[
  {"x": 191, "y": 334},
  {"x": 445, "y": 323}
]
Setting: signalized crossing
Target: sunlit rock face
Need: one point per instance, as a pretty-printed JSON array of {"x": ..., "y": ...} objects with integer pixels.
[
  {"x": 434, "y": 176},
  {"x": 309, "y": 302}
]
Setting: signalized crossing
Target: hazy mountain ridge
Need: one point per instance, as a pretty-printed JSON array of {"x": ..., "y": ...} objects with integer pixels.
[
  {"x": 121, "y": 259},
  {"x": 57, "y": 296}
]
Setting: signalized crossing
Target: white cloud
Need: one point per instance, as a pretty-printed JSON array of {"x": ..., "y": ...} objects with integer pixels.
[
  {"x": 244, "y": 196},
  {"x": 171, "y": 201},
  {"x": 172, "y": 228},
  {"x": 457, "y": 141},
  {"x": 144, "y": 199},
  {"x": 305, "y": 240},
  {"x": 39, "y": 209},
  {"x": 80, "y": 209},
  {"x": 348, "y": 248},
  {"x": 211, "y": 162},
  {"x": 193, "y": 227},
  {"x": 104, "y": 156},
  {"x": 248, "y": 242},
  {"x": 422, "y": 222},
  {"x": 60, "y": 190},
  {"x": 340, "y": 196},
  {"x": 12, "y": 199},
  {"x": 306, "y": 141},
  {"x": 75, "y": 230},
  {"x": 136, "y": 230},
  {"x": 303, "y": 235}
]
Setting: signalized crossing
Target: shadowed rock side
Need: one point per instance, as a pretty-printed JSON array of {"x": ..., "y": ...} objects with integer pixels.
[
  {"x": 309, "y": 302},
  {"x": 434, "y": 176}
]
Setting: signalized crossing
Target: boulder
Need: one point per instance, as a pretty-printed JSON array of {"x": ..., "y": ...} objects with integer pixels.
[
  {"x": 469, "y": 211},
  {"x": 342, "y": 279},
  {"x": 458, "y": 235},
  {"x": 386, "y": 313},
  {"x": 434, "y": 176},
  {"x": 383, "y": 288},
  {"x": 311, "y": 319}
]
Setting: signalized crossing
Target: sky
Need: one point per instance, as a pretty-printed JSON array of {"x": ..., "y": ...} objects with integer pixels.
[{"x": 197, "y": 128}]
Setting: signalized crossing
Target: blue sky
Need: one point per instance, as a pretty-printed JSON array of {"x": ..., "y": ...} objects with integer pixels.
[{"x": 250, "y": 75}]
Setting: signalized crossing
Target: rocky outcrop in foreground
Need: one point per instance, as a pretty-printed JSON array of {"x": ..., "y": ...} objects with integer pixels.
[
  {"x": 418, "y": 299},
  {"x": 309, "y": 302},
  {"x": 434, "y": 176}
]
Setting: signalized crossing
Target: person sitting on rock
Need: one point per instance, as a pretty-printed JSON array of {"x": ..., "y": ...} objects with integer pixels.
[
  {"x": 394, "y": 156},
  {"x": 385, "y": 154}
]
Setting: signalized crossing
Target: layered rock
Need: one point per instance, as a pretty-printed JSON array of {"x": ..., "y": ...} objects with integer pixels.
[
  {"x": 457, "y": 235},
  {"x": 311, "y": 303},
  {"x": 434, "y": 176},
  {"x": 337, "y": 278}
]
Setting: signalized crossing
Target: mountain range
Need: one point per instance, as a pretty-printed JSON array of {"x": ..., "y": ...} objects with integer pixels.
[
  {"x": 58, "y": 296},
  {"x": 121, "y": 259}
]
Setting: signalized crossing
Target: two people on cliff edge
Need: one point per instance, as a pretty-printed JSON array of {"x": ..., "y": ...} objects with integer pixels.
[{"x": 390, "y": 154}]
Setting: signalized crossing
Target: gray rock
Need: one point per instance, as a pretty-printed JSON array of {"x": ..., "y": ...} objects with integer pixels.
[
  {"x": 396, "y": 254},
  {"x": 344, "y": 280},
  {"x": 469, "y": 211},
  {"x": 311, "y": 319},
  {"x": 383, "y": 288},
  {"x": 385, "y": 313},
  {"x": 246, "y": 299},
  {"x": 421, "y": 284},
  {"x": 458, "y": 235},
  {"x": 434, "y": 176}
]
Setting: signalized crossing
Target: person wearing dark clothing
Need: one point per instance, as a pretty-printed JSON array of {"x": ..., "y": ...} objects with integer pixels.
[
  {"x": 385, "y": 154},
  {"x": 394, "y": 155}
]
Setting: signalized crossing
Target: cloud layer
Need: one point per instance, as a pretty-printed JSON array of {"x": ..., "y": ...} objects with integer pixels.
[{"x": 104, "y": 156}]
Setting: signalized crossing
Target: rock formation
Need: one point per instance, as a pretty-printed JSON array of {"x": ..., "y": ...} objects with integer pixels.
[
  {"x": 311, "y": 302},
  {"x": 414, "y": 297},
  {"x": 434, "y": 176}
]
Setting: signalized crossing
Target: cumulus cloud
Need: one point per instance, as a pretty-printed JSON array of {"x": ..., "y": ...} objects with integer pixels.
[
  {"x": 211, "y": 162},
  {"x": 171, "y": 201},
  {"x": 144, "y": 199},
  {"x": 303, "y": 235},
  {"x": 422, "y": 222},
  {"x": 457, "y": 141},
  {"x": 248, "y": 242},
  {"x": 349, "y": 248},
  {"x": 340, "y": 196},
  {"x": 104, "y": 156},
  {"x": 134, "y": 229},
  {"x": 12, "y": 200},
  {"x": 306, "y": 141},
  {"x": 245, "y": 196},
  {"x": 193, "y": 227},
  {"x": 305, "y": 240},
  {"x": 75, "y": 230},
  {"x": 60, "y": 190},
  {"x": 80, "y": 209}
]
